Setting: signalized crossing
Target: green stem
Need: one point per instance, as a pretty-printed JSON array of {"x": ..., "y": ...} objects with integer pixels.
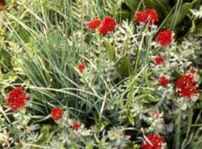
[
  {"x": 139, "y": 52},
  {"x": 178, "y": 130}
]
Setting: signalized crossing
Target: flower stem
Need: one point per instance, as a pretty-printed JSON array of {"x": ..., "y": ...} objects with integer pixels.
[{"x": 178, "y": 130}]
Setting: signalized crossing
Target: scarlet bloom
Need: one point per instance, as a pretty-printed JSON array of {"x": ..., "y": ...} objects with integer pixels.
[
  {"x": 93, "y": 24},
  {"x": 140, "y": 17},
  {"x": 147, "y": 16},
  {"x": 158, "y": 60},
  {"x": 17, "y": 98},
  {"x": 186, "y": 85},
  {"x": 153, "y": 141},
  {"x": 164, "y": 80},
  {"x": 81, "y": 67},
  {"x": 107, "y": 25},
  {"x": 76, "y": 125},
  {"x": 152, "y": 16},
  {"x": 56, "y": 113},
  {"x": 164, "y": 38}
]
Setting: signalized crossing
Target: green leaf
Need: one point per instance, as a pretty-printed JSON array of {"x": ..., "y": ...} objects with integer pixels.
[
  {"x": 110, "y": 50},
  {"x": 147, "y": 98},
  {"x": 177, "y": 17},
  {"x": 160, "y": 5},
  {"x": 5, "y": 60},
  {"x": 197, "y": 29},
  {"x": 45, "y": 135},
  {"x": 24, "y": 34},
  {"x": 132, "y": 4},
  {"x": 89, "y": 146},
  {"x": 124, "y": 14},
  {"x": 123, "y": 66},
  {"x": 197, "y": 143}
]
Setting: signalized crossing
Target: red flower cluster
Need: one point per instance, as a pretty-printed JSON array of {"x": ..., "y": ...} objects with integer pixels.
[
  {"x": 164, "y": 37},
  {"x": 153, "y": 141},
  {"x": 149, "y": 16},
  {"x": 158, "y": 60},
  {"x": 56, "y": 113},
  {"x": 106, "y": 26},
  {"x": 17, "y": 98},
  {"x": 93, "y": 24},
  {"x": 81, "y": 67},
  {"x": 76, "y": 125},
  {"x": 186, "y": 85},
  {"x": 164, "y": 80}
]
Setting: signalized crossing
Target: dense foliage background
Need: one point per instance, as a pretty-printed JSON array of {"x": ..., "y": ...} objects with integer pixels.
[{"x": 108, "y": 87}]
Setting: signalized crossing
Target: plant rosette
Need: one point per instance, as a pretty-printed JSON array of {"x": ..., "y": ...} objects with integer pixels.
[
  {"x": 78, "y": 129},
  {"x": 156, "y": 122},
  {"x": 117, "y": 137}
]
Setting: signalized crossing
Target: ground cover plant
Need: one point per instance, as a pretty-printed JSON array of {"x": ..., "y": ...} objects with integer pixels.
[{"x": 116, "y": 74}]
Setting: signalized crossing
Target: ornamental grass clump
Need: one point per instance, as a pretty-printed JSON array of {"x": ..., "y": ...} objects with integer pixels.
[{"x": 54, "y": 74}]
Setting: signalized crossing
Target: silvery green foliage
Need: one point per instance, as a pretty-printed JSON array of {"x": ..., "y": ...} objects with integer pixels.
[
  {"x": 127, "y": 38},
  {"x": 156, "y": 122},
  {"x": 192, "y": 47},
  {"x": 124, "y": 40},
  {"x": 129, "y": 101},
  {"x": 117, "y": 138},
  {"x": 197, "y": 13},
  {"x": 15, "y": 131}
]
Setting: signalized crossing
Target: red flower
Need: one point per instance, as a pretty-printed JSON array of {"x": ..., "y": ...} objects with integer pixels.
[
  {"x": 81, "y": 67},
  {"x": 93, "y": 24},
  {"x": 56, "y": 113},
  {"x": 76, "y": 125},
  {"x": 164, "y": 80},
  {"x": 147, "y": 16},
  {"x": 107, "y": 25},
  {"x": 17, "y": 98},
  {"x": 152, "y": 16},
  {"x": 140, "y": 17},
  {"x": 186, "y": 85},
  {"x": 158, "y": 60},
  {"x": 164, "y": 37},
  {"x": 153, "y": 141}
]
